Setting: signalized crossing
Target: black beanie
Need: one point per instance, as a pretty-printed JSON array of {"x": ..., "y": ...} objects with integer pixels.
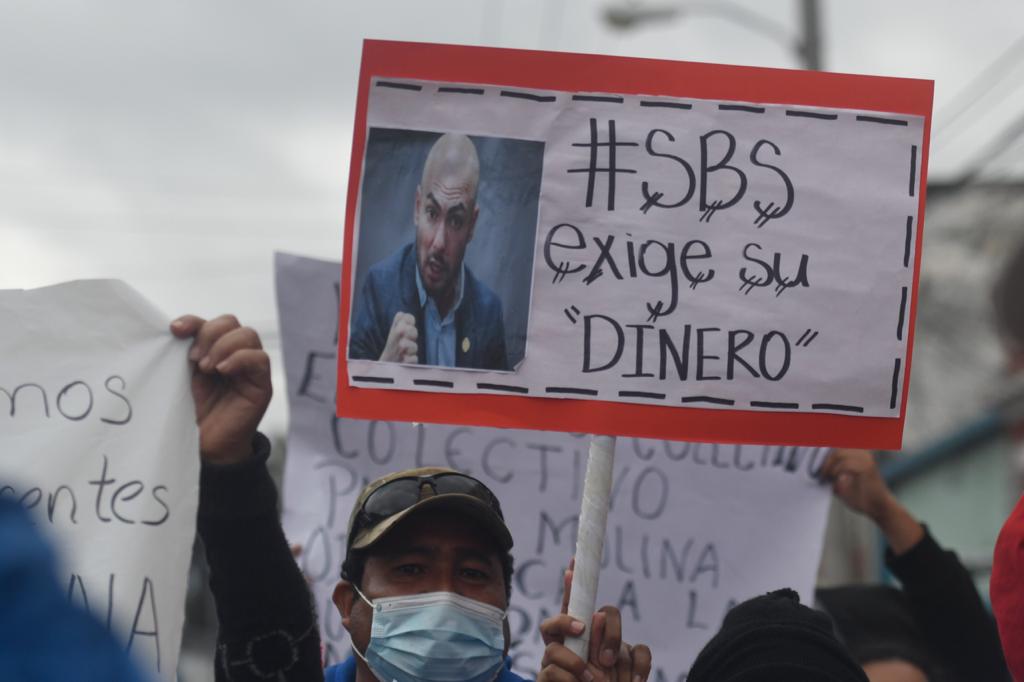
[{"x": 773, "y": 638}]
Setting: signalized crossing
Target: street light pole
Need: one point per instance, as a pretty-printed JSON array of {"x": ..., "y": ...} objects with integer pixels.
[
  {"x": 810, "y": 46},
  {"x": 806, "y": 45}
]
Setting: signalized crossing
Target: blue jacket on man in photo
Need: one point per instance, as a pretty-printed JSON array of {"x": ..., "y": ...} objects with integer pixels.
[{"x": 390, "y": 288}]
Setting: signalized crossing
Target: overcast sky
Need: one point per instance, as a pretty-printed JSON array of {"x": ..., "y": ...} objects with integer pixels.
[{"x": 176, "y": 145}]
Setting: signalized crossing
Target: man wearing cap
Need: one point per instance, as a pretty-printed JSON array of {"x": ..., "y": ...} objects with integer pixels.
[
  {"x": 427, "y": 553},
  {"x": 426, "y": 579}
]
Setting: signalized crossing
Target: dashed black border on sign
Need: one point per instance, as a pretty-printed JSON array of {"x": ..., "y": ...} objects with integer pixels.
[
  {"x": 624, "y": 393},
  {"x": 545, "y": 97}
]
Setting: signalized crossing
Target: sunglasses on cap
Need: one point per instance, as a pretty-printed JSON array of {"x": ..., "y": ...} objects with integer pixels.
[{"x": 399, "y": 494}]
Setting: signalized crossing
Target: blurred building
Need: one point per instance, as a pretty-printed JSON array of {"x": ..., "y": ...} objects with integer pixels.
[{"x": 959, "y": 471}]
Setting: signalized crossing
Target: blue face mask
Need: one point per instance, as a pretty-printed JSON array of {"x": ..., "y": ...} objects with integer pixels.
[{"x": 434, "y": 637}]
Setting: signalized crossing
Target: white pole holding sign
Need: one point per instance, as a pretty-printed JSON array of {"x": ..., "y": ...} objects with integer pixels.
[{"x": 597, "y": 490}]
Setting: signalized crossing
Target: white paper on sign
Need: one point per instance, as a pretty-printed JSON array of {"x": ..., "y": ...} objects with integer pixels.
[
  {"x": 692, "y": 527},
  {"x": 721, "y": 255},
  {"x": 98, "y": 438}
]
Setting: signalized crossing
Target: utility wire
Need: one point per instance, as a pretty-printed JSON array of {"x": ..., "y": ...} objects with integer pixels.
[
  {"x": 986, "y": 81},
  {"x": 996, "y": 148}
]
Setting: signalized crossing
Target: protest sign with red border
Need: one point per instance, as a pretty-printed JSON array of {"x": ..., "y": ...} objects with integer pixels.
[{"x": 434, "y": 397}]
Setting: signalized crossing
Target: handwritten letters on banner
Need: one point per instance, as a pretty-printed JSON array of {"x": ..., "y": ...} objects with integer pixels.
[{"x": 98, "y": 439}]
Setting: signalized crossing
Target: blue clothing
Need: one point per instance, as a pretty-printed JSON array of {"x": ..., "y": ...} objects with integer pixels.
[
  {"x": 440, "y": 333},
  {"x": 346, "y": 672},
  {"x": 390, "y": 288},
  {"x": 42, "y": 635}
]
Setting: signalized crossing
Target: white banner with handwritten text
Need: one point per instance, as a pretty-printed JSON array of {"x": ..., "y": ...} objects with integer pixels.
[{"x": 98, "y": 439}]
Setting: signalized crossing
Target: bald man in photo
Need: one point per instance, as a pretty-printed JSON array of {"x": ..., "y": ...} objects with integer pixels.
[{"x": 422, "y": 305}]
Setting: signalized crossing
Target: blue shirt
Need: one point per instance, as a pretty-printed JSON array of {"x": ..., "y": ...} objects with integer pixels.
[
  {"x": 346, "y": 672},
  {"x": 440, "y": 341},
  {"x": 42, "y": 635}
]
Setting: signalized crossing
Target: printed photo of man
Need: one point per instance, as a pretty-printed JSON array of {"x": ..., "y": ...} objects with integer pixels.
[{"x": 423, "y": 304}]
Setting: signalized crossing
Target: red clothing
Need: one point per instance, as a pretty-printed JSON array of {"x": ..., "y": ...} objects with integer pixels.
[{"x": 1007, "y": 589}]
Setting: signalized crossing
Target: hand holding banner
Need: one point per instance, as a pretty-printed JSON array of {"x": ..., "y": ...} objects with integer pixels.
[{"x": 98, "y": 439}]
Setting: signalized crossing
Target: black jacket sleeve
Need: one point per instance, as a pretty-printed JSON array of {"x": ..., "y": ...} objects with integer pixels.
[
  {"x": 268, "y": 628},
  {"x": 947, "y": 608}
]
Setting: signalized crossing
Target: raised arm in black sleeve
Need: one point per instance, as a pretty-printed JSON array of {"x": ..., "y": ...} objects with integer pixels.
[
  {"x": 947, "y": 608},
  {"x": 268, "y": 629}
]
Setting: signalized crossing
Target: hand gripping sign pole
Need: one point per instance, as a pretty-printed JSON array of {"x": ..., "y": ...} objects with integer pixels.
[{"x": 597, "y": 489}]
